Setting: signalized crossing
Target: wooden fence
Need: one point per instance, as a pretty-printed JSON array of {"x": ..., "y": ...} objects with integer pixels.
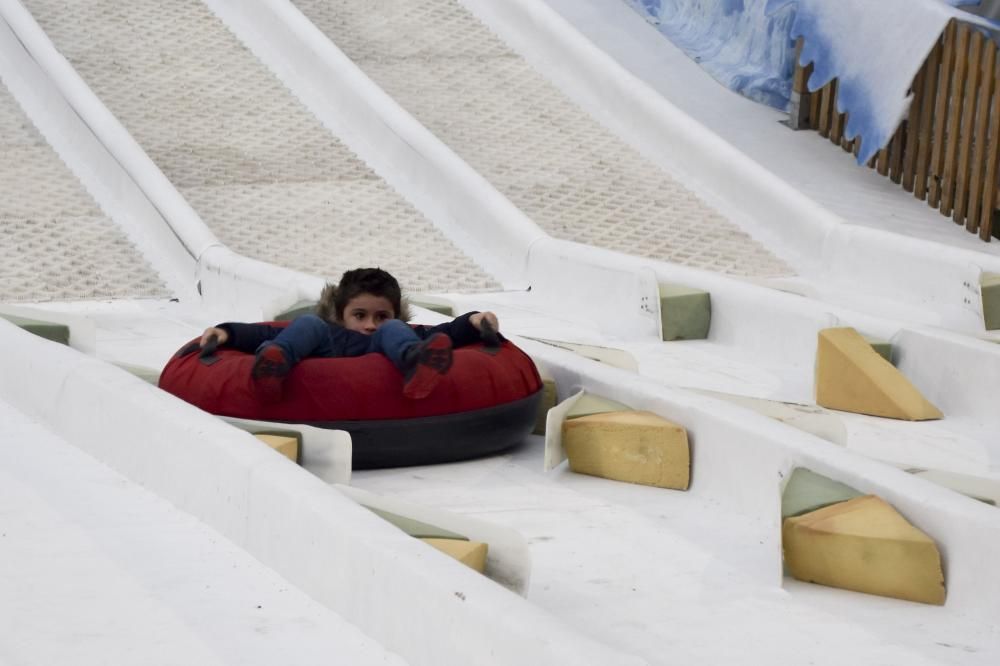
[{"x": 947, "y": 151}]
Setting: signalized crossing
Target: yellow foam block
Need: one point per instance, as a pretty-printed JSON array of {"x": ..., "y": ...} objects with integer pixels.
[
  {"x": 283, "y": 444},
  {"x": 852, "y": 377},
  {"x": 637, "y": 447},
  {"x": 470, "y": 553},
  {"x": 863, "y": 544}
]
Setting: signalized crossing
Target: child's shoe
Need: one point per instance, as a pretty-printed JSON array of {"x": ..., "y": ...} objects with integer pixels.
[
  {"x": 425, "y": 363},
  {"x": 268, "y": 373}
]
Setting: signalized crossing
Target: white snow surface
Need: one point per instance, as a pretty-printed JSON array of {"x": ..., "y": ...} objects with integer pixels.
[{"x": 95, "y": 569}]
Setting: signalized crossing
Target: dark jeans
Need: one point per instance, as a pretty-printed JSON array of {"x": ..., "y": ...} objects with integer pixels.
[{"x": 309, "y": 335}]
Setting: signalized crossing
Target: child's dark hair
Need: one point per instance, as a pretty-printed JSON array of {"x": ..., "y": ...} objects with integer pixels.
[{"x": 359, "y": 281}]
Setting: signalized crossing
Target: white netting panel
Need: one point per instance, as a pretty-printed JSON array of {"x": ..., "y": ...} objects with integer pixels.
[
  {"x": 574, "y": 178},
  {"x": 56, "y": 243},
  {"x": 261, "y": 171}
]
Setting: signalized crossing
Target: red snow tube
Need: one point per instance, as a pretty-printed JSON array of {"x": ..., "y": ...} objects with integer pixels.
[{"x": 486, "y": 403}]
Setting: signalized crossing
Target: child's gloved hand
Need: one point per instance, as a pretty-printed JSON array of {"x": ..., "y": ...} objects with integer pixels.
[
  {"x": 220, "y": 336},
  {"x": 487, "y": 324},
  {"x": 490, "y": 319},
  {"x": 210, "y": 339}
]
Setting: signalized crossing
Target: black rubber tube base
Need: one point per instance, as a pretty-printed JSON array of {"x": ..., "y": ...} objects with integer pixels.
[{"x": 439, "y": 439}]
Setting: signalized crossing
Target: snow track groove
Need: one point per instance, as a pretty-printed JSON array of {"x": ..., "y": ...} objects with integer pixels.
[
  {"x": 575, "y": 179},
  {"x": 58, "y": 244},
  {"x": 261, "y": 171}
]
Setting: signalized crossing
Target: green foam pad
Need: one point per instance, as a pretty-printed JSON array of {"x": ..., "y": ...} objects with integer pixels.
[
  {"x": 978, "y": 488},
  {"x": 440, "y": 308},
  {"x": 589, "y": 404},
  {"x": 990, "y": 289},
  {"x": 300, "y": 309},
  {"x": 296, "y": 310},
  {"x": 549, "y": 400},
  {"x": 686, "y": 313},
  {"x": 150, "y": 375},
  {"x": 294, "y": 434},
  {"x": 882, "y": 347},
  {"x": 44, "y": 329},
  {"x": 416, "y": 528},
  {"x": 807, "y": 491}
]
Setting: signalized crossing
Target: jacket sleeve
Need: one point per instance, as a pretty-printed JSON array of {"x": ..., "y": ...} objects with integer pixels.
[
  {"x": 247, "y": 337},
  {"x": 459, "y": 330}
]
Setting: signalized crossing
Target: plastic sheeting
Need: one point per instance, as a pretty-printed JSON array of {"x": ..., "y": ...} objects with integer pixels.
[
  {"x": 873, "y": 47},
  {"x": 736, "y": 41}
]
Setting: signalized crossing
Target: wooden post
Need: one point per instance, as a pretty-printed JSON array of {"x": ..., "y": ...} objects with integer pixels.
[
  {"x": 798, "y": 103},
  {"x": 992, "y": 165},
  {"x": 882, "y": 161},
  {"x": 837, "y": 125},
  {"x": 968, "y": 123},
  {"x": 814, "y": 99},
  {"x": 913, "y": 130},
  {"x": 941, "y": 107},
  {"x": 824, "y": 109},
  {"x": 976, "y": 186},
  {"x": 954, "y": 117},
  {"x": 926, "y": 120},
  {"x": 896, "y": 148}
]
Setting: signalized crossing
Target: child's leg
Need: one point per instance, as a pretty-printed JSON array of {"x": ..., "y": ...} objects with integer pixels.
[
  {"x": 422, "y": 362},
  {"x": 306, "y": 336},
  {"x": 393, "y": 338}
]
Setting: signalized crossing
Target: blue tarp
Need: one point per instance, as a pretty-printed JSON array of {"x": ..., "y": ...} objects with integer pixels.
[{"x": 873, "y": 47}]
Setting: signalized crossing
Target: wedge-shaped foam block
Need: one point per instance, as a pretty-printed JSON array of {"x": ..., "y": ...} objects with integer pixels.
[
  {"x": 686, "y": 314},
  {"x": 579, "y": 404},
  {"x": 852, "y": 377},
  {"x": 807, "y": 491},
  {"x": 287, "y": 444},
  {"x": 470, "y": 553},
  {"x": 637, "y": 447},
  {"x": 989, "y": 289},
  {"x": 43, "y": 329},
  {"x": 863, "y": 544}
]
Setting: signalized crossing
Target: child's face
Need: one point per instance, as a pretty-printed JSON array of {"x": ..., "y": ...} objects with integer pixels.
[{"x": 366, "y": 312}]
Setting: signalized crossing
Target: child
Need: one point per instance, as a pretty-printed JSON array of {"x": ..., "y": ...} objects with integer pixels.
[{"x": 361, "y": 315}]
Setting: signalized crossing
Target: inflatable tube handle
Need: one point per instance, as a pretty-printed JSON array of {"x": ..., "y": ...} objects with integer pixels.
[{"x": 188, "y": 349}]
